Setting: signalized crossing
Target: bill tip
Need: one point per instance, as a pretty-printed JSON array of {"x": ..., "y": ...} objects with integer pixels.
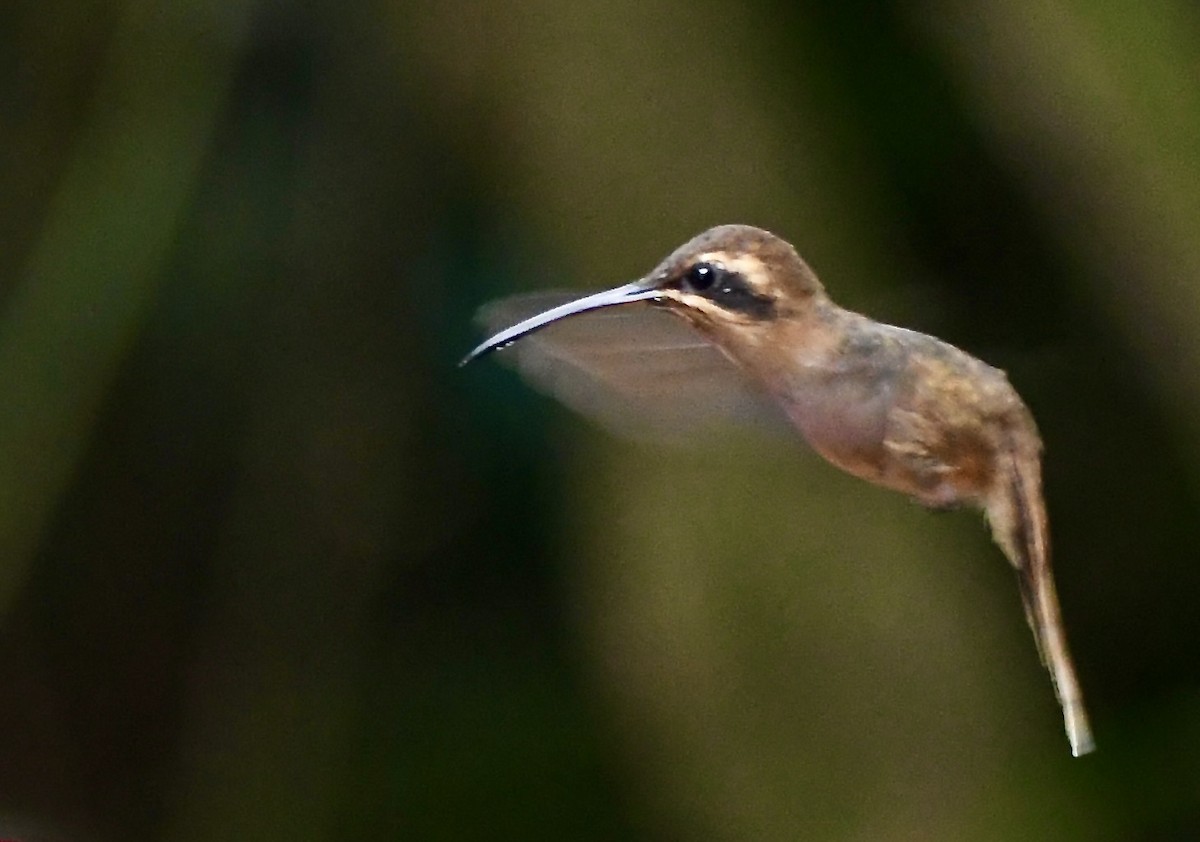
[{"x": 1081, "y": 739}]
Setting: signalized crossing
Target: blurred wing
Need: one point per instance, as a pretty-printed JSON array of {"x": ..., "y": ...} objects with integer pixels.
[{"x": 637, "y": 370}]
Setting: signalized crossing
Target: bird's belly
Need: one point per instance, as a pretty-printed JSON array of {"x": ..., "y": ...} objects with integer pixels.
[
  {"x": 860, "y": 452},
  {"x": 849, "y": 427}
]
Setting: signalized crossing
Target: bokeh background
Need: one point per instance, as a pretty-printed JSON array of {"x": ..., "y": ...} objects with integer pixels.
[{"x": 271, "y": 567}]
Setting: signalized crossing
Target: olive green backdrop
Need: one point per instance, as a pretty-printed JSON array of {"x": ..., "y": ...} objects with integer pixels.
[{"x": 273, "y": 568}]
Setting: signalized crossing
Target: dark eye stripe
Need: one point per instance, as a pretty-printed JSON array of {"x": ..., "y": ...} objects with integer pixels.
[{"x": 728, "y": 290}]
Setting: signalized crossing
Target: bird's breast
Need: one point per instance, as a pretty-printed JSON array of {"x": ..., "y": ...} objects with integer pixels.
[{"x": 843, "y": 418}]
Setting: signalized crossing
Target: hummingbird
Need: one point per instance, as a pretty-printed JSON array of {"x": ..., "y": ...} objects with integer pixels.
[{"x": 735, "y": 318}]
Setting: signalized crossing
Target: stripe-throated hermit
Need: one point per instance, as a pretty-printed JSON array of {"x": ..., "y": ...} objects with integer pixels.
[{"x": 898, "y": 408}]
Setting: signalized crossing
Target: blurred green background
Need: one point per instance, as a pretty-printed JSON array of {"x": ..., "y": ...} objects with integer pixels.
[{"x": 271, "y": 567}]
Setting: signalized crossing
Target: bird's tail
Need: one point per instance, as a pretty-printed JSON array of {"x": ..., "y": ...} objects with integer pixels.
[{"x": 1017, "y": 515}]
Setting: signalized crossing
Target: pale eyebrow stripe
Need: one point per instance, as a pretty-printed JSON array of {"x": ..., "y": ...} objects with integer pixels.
[{"x": 746, "y": 265}]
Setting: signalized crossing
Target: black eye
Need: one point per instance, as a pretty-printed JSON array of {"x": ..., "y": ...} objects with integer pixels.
[{"x": 703, "y": 276}]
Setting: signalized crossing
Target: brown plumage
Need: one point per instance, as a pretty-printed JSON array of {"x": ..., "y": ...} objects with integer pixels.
[{"x": 754, "y": 327}]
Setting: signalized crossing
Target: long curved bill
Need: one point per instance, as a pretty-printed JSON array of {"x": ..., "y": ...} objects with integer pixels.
[{"x": 642, "y": 290}]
